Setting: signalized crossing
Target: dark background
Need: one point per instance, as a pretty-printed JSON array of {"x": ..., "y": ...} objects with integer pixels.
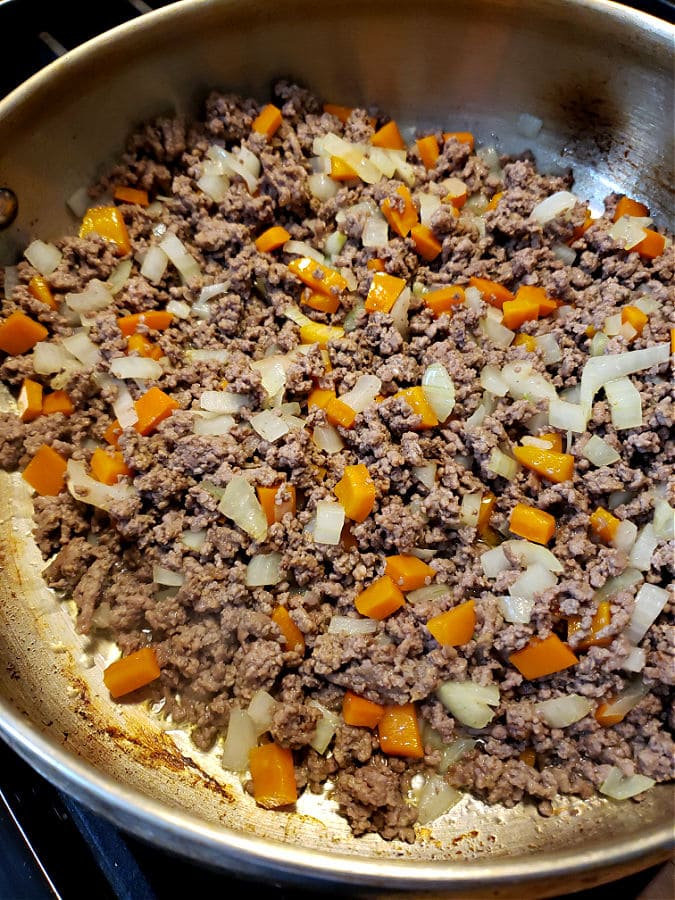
[{"x": 51, "y": 846}]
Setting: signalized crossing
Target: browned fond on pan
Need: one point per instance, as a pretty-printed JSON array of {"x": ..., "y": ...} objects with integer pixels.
[{"x": 600, "y": 77}]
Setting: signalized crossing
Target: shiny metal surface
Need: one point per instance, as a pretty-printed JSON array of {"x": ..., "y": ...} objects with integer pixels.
[{"x": 601, "y": 78}]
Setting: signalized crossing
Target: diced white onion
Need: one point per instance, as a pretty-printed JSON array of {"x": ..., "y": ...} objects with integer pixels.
[
  {"x": 620, "y": 787},
  {"x": 429, "y": 204},
  {"x": 559, "y": 712},
  {"x": 235, "y": 163},
  {"x": 499, "y": 334},
  {"x": 627, "y": 699},
  {"x": 439, "y": 390},
  {"x": 547, "y": 210},
  {"x": 162, "y": 575},
  {"x": 302, "y": 248},
  {"x": 175, "y": 249},
  {"x": 363, "y": 393},
  {"x": 322, "y": 186},
  {"x": 427, "y": 593},
  {"x": 476, "y": 418},
  {"x": 154, "y": 264},
  {"x": 327, "y": 438},
  {"x": 627, "y": 332},
  {"x": 564, "y": 253},
  {"x": 78, "y": 202},
  {"x": 516, "y": 609},
  {"x": 214, "y": 185},
  {"x": 348, "y": 625},
  {"x": 646, "y": 542},
  {"x": 473, "y": 298},
  {"x": 599, "y": 452},
  {"x": 628, "y": 231},
  {"x": 194, "y": 540},
  {"x": 119, "y": 276},
  {"x": 140, "y": 367},
  {"x": 635, "y": 661},
  {"x": 534, "y": 580},
  {"x": 491, "y": 380},
  {"x": 550, "y": 350},
  {"x": 524, "y": 382},
  {"x": 240, "y": 503},
  {"x": 334, "y": 243},
  {"x": 566, "y": 416},
  {"x": 614, "y": 586},
  {"x": 123, "y": 406},
  {"x": 613, "y": 325},
  {"x": 240, "y": 739},
  {"x": 178, "y": 308},
  {"x": 272, "y": 373},
  {"x": 224, "y": 401},
  {"x": 261, "y": 710},
  {"x": 455, "y": 751},
  {"x": 383, "y": 160},
  {"x": 94, "y": 297},
  {"x": 43, "y": 256},
  {"x": 82, "y": 348},
  {"x": 650, "y": 602},
  {"x": 470, "y": 508},
  {"x": 528, "y": 554},
  {"x": 269, "y": 425},
  {"x": 624, "y": 536},
  {"x": 599, "y": 343},
  {"x": 647, "y": 304},
  {"x": 469, "y": 703},
  {"x": 263, "y": 569},
  {"x": 87, "y": 489},
  {"x": 494, "y": 561},
  {"x": 330, "y": 518},
  {"x": 664, "y": 520},
  {"x": 213, "y": 424},
  {"x": 399, "y": 313},
  {"x": 435, "y": 798},
  {"x": 529, "y": 126},
  {"x": 625, "y": 403},
  {"x": 375, "y": 232},
  {"x": 601, "y": 369},
  {"x": 618, "y": 498},
  {"x": 426, "y": 474},
  {"x": 325, "y": 729},
  {"x": 503, "y": 465},
  {"x": 218, "y": 355}
]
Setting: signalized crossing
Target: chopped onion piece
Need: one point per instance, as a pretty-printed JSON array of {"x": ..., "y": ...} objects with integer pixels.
[
  {"x": 494, "y": 561},
  {"x": 499, "y": 334},
  {"x": 363, "y": 393},
  {"x": 553, "y": 206},
  {"x": 322, "y": 186},
  {"x": 330, "y": 518},
  {"x": 566, "y": 416},
  {"x": 87, "y": 489},
  {"x": 439, "y": 390},
  {"x": 564, "y": 253},
  {"x": 43, "y": 257},
  {"x": 436, "y": 798},
  {"x": 93, "y": 298},
  {"x": 240, "y": 503},
  {"x": 224, "y": 401},
  {"x": 219, "y": 355},
  {"x": 474, "y": 299},
  {"x": 383, "y": 160},
  {"x": 327, "y": 438},
  {"x": 123, "y": 406},
  {"x": 622, "y": 582},
  {"x": 269, "y": 425},
  {"x": 272, "y": 373},
  {"x": 326, "y": 727},
  {"x": 194, "y": 540},
  {"x": 175, "y": 249},
  {"x": 154, "y": 264},
  {"x": 617, "y": 498},
  {"x": 650, "y": 602},
  {"x": 213, "y": 424},
  {"x": 82, "y": 348},
  {"x": 334, "y": 243},
  {"x": 241, "y": 738},
  {"x": 162, "y": 575},
  {"x": 516, "y": 609},
  {"x": 302, "y": 248},
  {"x": 628, "y": 231},
  {"x": 78, "y": 202},
  {"x": 399, "y": 313},
  {"x": 503, "y": 465},
  {"x": 348, "y": 625},
  {"x": 429, "y": 204},
  {"x": 263, "y": 569},
  {"x": 599, "y": 343},
  {"x": 620, "y": 787},
  {"x": 599, "y": 452},
  {"x": 559, "y": 712},
  {"x": 647, "y": 304},
  {"x": 635, "y": 661},
  {"x": 375, "y": 232},
  {"x": 476, "y": 418},
  {"x": 625, "y": 403},
  {"x": 491, "y": 380},
  {"x": 664, "y": 519},
  {"x": 140, "y": 367},
  {"x": 646, "y": 542},
  {"x": 470, "y": 509},
  {"x": 214, "y": 184},
  {"x": 624, "y": 536},
  {"x": 534, "y": 580},
  {"x": 469, "y": 703},
  {"x": 613, "y": 325},
  {"x": 426, "y": 474},
  {"x": 524, "y": 382},
  {"x": 119, "y": 276},
  {"x": 528, "y": 554},
  {"x": 455, "y": 751},
  {"x": 550, "y": 351},
  {"x": 601, "y": 369},
  {"x": 261, "y": 711}
]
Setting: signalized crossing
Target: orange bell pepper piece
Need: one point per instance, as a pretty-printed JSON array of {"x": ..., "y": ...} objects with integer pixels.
[
  {"x": 19, "y": 333},
  {"x": 157, "y": 319},
  {"x": 131, "y": 672},
  {"x": 399, "y": 732},
  {"x": 294, "y": 639},
  {"x": 375, "y": 264},
  {"x": 635, "y": 317},
  {"x": 388, "y": 137},
  {"x": 408, "y": 572},
  {"x": 454, "y": 627},
  {"x": 549, "y": 464},
  {"x": 426, "y": 243},
  {"x": 428, "y": 149},
  {"x": 401, "y": 220},
  {"x": 340, "y": 112},
  {"x": 339, "y": 413},
  {"x": 628, "y": 207},
  {"x": 57, "y": 402},
  {"x": 441, "y": 300},
  {"x": 39, "y": 288},
  {"x": 131, "y": 195},
  {"x": 30, "y": 400},
  {"x": 268, "y": 120},
  {"x": 320, "y": 302},
  {"x": 320, "y": 397},
  {"x": 494, "y": 201},
  {"x": 601, "y": 619},
  {"x": 380, "y": 599},
  {"x": 415, "y": 398},
  {"x": 272, "y": 239},
  {"x": 493, "y": 293},
  {"x": 140, "y": 344},
  {"x": 360, "y": 712},
  {"x": 108, "y": 467},
  {"x": 318, "y": 333},
  {"x": 340, "y": 170},
  {"x": 531, "y": 523},
  {"x": 518, "y": 311},
  {"x": 464, "y": 137},
  {"x": 317, "y": 276},
  {"x": 383, "y": 292},
  {"x": 356, "y": 492},
  {"x": 274, "y": 512},
  {"x": 46, "y": 472},
  {"x": 543, "y": 657},
  {"x": 652, "y": 244},
  {"x": 273, "y": 776},
  {"x": 108, "y": 223},
  {"x": 152, "y": 408},
  {"x": 603, "y": 524}
]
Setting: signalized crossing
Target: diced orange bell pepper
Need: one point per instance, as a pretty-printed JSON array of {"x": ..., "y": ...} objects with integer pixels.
[
  {"x": 143, "y": 346},
  {"x": 317, "y": 276},
  {"x": 108, "y": 467},
  {"x": 635, "y": 317},
  {"x": 494, "y": 201},
  {"x": 426, "y": 243},
  {"x": 275, "y": 512},
  {"x": 339, "y": 413},
  {"x": 320, "y": 302},
  {"x": 408, "y": 572},
  {"x": 518, "y": 311},
  {"x": 525, "y": 340},
  {"x": 399, "y": 732},
  {"x": 320, "y": 397},
  {"x": 131, "y": 195},
  {"x": 652, "y": 244},
  {"x": 383, "y": 292},
  {"x": 454, "y": 627},
  {"x": 29, "y": 400},
  {"x": 152, "y": 408},
  {"x": 131, "y": 672},
  {"x": 603, "y": 524},
  {"x": 19, "y": 333},
  {"x": 416, "y": 399},
  {"x": 380, "y": 599},
  {"x": 294, "y": 639},
  {"x": 57, "y": 402},
  {"x": 340, "y": 170},
  {"x": 401, "y": 220},
  {"x": 273, "y": 776},
  {"x": 534, "y": 524},
  {"x": 39, "y": 288},
  {"x": 441, "y": 300},
  {"x": 318, "y": 333},
  {"x": 358, "y": 711},
  {"x": 340, "y": 112},
  {"x": 428, "y": 149},
  {"x": 268, "y": 120},
  {"x": 157, "y": 319},
  {"x": 543, "y": 657},
  {"x": 112, "y": 433},
  {"x": 628, "y": 207},
  {"x": 580, "y": 230},
  {"x": 356, "y": 492},
  {"x": 46, "y": 472},
  {"x": 549, "y": 464},
  {"x": 493, "y": 293},
  {"x": 375, "y": 264},
  {"x": 388, "y": 137},
  {"x": 601, "y": 619},
  {"x": 108, "y": 223},
  {"x": 272, "y": 239},
  {"x": 464, "y": 137}
]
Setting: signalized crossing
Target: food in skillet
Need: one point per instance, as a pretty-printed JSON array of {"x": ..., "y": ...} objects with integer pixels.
[{"x": 360, "y": 449}]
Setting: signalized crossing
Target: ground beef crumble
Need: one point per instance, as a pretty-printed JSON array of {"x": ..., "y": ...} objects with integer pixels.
[{"x": 162, "y": 562}]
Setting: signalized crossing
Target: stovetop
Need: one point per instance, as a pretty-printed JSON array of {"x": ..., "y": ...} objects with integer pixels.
[{"x": 37, "y": 821}]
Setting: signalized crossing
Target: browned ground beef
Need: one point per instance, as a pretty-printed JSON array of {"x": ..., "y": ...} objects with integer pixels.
[{"x": 214, "y": 637}]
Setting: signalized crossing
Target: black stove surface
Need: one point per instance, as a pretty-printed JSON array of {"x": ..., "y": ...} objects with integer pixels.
[{"x": 51, "y": 846}]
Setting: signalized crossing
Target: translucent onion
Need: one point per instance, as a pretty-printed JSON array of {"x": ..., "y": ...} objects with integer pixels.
[
  {"x": 322, "y": 186},
  {"x": 272, "y": 373},
  {"x": 534, "y": 580},
  {"x": 119, "y": 276},
  {"x": 613, "y": 324},
  {"x": 499, "y": 334},
  {"x": 384, "y": 160},
  {"x": 599, "y": 343},
  {"x": 469, "y": 703},
  {"x": 261, "y": 711},
  {"x": 494, "y": 561},
  {"x": 436, "y": 798},
  {"x": 559, "y": 712},
  {"x": 599, "y": 452},
  {"x": 224, "y": 401},
  {"x": 263, "y": 569},
  {"x": 213, "y": 424},
  {"x": 302, "y": 248},
  {"x": 439, "y": 390},
  {"x": 325, "y": 729},
  {"x": 529, "y": 554},
  {"x": 94, "y": 297},
  {"x": 327, "y": 438},
  {"x": 551, "y": 207},
  {"x": 363, "y": 393},
  {"x": 564, "y": 253},
  {"x": 627, "y": 699},
  {"x": 635, "y": 661},
  {"x": 566, "y": 416},
  {"x": 87, "y": 489},
  {"x": 241, "y": 738},
  {"x": 214, "y": 184},
  {"x": 624, "y": 536},
  {"x": 375, "y": 232},
  {"x": 516, "y": 609},
  {"x": 334, "y": 243},
  {"x": 664, "y": 520},
  {"x": 136, "y": 367},
  {"x": 625, "y": 403},
  {"x": 469, "y": 509},
  {"x": 123, "y": 406},
  {"x": 524, "y": 382},
  {"x": 646, "y": 542},
  {"x": 426, "y": 474},
  {"x": 601, "y": 369},
  {"x": 162, "y": 575},
  {"x": 628, "y": 231},
  {"x": 621, "y": 787},
  {"x": 455, "y": 751},
  {"x": 347, "y": 625},
  {"x": 650, "y": 602},
  {"x": 614, "y": 586},
  {"x": 399, "y": 313},
  {"x": 78, "y": 202},
  {"x": 194, "y": 540},
  {"x": 474, "y": 299},
  {"x": 175, "y": 249},
  {"x": 550, "y": 350},
  {"x": 330, "y": 519},
  {"x": 502, "y": 465},
  {"x": 154, "y": 264},
  {"x": 491, "y": 380},
  {"x": 43, "y": 257},
  {"x": 82, "y": 348},
  {"x": 269, "y": 425},
  {"x": 218, "y": 355},
  {"x": 240, "y": 503},
  {"x": 429, "y": 204}
]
